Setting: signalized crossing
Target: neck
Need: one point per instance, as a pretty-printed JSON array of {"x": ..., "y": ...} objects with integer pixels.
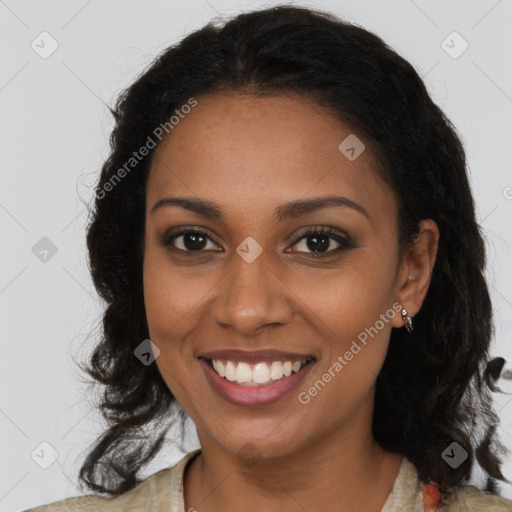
[{"x": 331, "y": 474}]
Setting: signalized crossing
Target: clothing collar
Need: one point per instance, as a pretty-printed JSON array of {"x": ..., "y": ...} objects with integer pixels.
[{"x": 405, "y": 496}]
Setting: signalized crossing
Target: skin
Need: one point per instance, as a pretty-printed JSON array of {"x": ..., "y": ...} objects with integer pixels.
[{"x": 251, "y": 155}]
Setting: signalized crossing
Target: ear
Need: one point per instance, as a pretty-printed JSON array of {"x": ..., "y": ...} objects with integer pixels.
[{"x": 415, "y": 270}]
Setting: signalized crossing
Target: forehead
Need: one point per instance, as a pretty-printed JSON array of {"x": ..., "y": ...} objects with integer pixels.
[{"x": 264, "y": 151}]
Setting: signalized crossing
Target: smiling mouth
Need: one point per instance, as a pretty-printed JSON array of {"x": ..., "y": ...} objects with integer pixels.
[{"x": 258, "y": 374}]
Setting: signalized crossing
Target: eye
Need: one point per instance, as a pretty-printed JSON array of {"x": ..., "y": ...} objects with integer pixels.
[
  {"x": 319, "y": 241},
  {"x": 188, "y": 240}
]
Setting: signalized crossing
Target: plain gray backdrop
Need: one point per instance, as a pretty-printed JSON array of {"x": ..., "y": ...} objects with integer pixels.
[{"x": 61, "y": 63}]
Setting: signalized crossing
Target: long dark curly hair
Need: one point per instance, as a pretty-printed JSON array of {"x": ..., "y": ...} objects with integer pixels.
[{"x": 433, "y": 389}]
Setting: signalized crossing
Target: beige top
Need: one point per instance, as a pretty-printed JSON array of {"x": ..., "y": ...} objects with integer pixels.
[{"x": 163, "y": 492}]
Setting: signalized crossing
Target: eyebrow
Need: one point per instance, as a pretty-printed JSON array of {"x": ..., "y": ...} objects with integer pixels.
[{"x": 289, "y": 210}]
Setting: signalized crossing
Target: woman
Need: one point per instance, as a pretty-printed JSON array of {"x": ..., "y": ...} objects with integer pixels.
[{"x": 286, "y": 215}]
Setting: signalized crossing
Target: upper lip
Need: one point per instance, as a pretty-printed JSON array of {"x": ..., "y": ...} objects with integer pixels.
[{"x": 255, "y": 356}]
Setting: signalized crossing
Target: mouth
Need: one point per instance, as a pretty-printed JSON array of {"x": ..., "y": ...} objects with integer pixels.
[
  {"x": 262, "y": 373},
  {"x": 255, "y": 378}
]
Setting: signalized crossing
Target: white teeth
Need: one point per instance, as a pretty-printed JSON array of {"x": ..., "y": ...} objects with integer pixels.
[
  {"x": 243, "y": 373},
  {"x": 258, "y": 374},
  {"x": 230, "y": 371},
  {"x": 276, "y": 370},
  {"x": 219, "y": 368}
]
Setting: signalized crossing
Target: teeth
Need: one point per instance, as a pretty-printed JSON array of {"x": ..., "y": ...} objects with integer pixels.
[
  {"x": 258, "y": 374},
  {"x": 230, "y": 371},
  {"x": 243, "y": 373},
  {"x": 261, "y": 373},
  {"x": 219, "y": 368},
  {"x": 276, "y": 370}
]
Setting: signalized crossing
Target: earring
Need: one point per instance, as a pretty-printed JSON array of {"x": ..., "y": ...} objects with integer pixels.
[{"x": 407, "y": 319}]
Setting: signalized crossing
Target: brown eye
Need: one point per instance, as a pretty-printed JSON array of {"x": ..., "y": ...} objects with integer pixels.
[
  {"x": 189, "y": 240},
  {"x": 318, "y": 242}
]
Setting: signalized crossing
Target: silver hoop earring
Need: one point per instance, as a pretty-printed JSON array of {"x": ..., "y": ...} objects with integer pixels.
[{"x": 407, "y": 319}]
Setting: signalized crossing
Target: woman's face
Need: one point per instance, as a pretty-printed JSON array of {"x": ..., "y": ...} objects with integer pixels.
[{"x": 248, "y": 290}]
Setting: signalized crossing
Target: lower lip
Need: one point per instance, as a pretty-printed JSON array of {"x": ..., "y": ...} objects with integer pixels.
[{"x": 251, "y": 396}]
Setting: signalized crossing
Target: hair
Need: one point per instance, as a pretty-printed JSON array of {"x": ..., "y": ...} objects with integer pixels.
[{"x": 433, "y": 389}]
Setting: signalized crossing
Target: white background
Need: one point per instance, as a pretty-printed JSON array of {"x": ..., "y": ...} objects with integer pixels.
[{"x": 54, "y": 137}]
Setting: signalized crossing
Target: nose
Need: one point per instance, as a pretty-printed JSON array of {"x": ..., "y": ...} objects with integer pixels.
[{"x": 252, "y": 297}]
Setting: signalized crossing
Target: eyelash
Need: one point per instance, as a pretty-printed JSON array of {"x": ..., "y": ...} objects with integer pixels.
[{"x": 344, "y": 243}]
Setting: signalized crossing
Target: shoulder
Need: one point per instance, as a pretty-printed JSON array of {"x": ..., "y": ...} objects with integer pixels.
[
  {"x": 161, "y": 488},
  {"x": 471, "y": 499},
  {"x": 138, "y": 498},
  {"x": 408, "y": 495}
]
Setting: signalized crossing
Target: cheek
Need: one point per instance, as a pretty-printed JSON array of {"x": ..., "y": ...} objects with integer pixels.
[
  {"x": 169, "y": 311},
  {"x": 353, "y": 308},
  {"x": 169, "y": 296},
  {"x": 349, "y": 298},
  {"x": 175, "y": 302}
]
